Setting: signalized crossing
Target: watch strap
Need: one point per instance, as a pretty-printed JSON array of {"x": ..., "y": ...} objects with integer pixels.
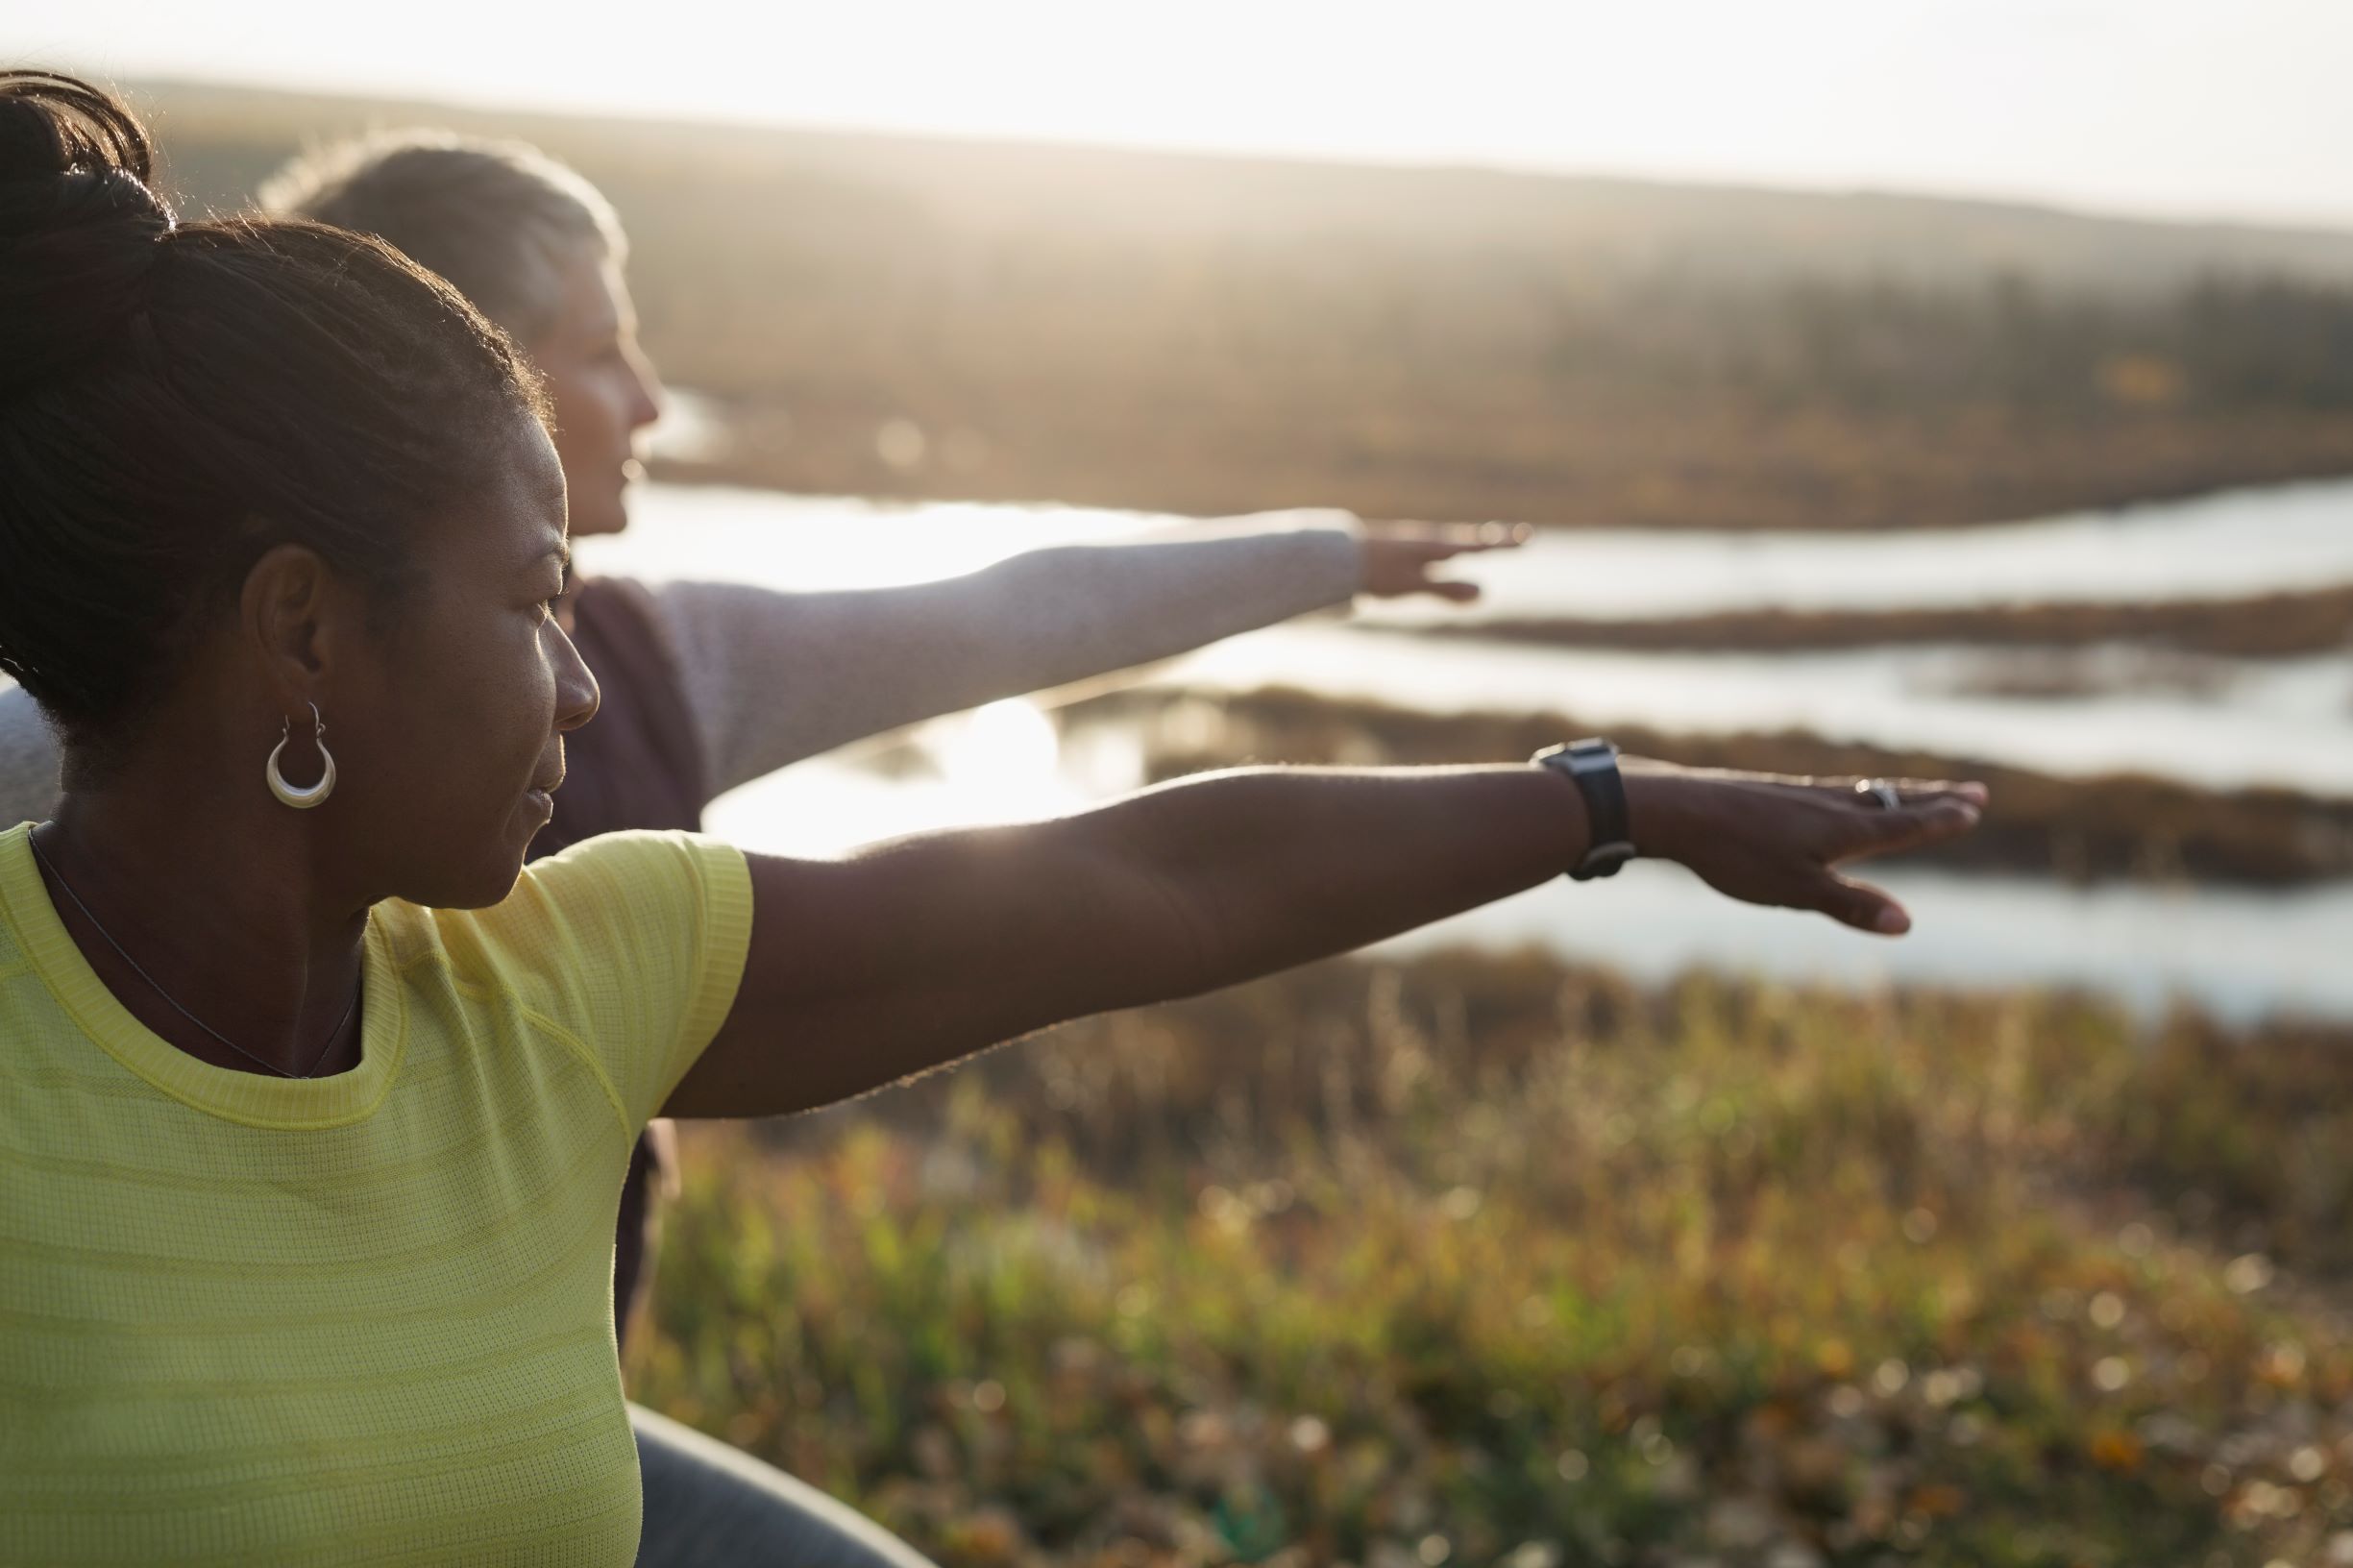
[{"x": 1592, "y": 765}]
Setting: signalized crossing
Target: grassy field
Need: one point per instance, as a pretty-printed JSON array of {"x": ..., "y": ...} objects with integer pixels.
[{"x": 1490, "y": 1262}]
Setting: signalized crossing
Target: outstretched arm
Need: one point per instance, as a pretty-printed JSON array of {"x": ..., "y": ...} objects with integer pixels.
[
  {"x": 914, "y": 953},
  {"x": 775, "y": 676}
]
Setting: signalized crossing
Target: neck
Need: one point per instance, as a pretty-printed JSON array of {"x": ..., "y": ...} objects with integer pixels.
[{"x": 215, "y": 892}]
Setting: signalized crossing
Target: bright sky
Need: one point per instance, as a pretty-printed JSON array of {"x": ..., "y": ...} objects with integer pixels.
[{"x": 2194, "y": 108}]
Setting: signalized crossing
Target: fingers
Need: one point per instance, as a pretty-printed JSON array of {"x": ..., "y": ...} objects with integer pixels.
[
  {"x": 1929, "y": 811},
  {"x": 1430, "y": 552},
  {"x": 1921, "y": 792},
  {"x": 1394, "y": 567},
  {"x": 1874, "y": 830}
]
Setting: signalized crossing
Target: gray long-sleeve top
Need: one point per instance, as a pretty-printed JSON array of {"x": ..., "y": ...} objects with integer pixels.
[{"x": 775, "y": 678}]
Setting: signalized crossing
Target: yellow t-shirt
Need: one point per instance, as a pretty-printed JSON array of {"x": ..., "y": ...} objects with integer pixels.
[{"x": 357, "y": 1319}]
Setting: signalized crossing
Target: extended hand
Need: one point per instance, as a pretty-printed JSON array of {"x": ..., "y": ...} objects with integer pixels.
[
  {"x": 1399, "y": 557},
  {"x": 1770, "y": 839}
]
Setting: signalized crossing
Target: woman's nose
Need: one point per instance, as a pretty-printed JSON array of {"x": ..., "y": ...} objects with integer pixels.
[
  {"x": 577, "y": 696},
  {"x": 647, "y": 388}
]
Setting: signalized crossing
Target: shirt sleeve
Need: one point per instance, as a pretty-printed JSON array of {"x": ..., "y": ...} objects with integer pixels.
[
  {"x": 636, "y": 944},
  {"x": 773, "y": 677},
  {"x": 28, "y": 759}
]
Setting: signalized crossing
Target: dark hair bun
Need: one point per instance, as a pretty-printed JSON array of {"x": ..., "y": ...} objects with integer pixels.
[
  {"x": 79, "y": 227},
  {"x": 176, "y": 401}
]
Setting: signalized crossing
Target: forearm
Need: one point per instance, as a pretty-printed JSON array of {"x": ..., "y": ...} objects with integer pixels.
[
  {"x": 912, "y": 954},
  {"x": 1055, "y": 616},
  {"x": 1275, "y": 867},
  {"x": 775, "y": 678}
]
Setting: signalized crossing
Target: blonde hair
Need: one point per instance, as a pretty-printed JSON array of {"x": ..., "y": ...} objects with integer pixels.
[{"x": 500, "y": 220}]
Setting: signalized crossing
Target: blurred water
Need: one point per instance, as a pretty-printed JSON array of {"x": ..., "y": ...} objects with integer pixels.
[
  {"x": 2263, "y": 540},
  {"x": 2286, "y": 722},
  {"x": 2270, "y": 539},
  {"x": 2240, "y": 955},
  {"x": 783, "y": 541},
  {"x": 2241, "y": 721},
  {"x": 2218, "y": 722}
]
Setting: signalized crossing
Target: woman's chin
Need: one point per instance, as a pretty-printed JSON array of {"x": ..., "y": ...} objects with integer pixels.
[{"x": 610, "y": 516}]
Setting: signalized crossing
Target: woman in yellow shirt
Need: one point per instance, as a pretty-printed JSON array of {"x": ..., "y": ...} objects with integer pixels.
[{"x": 313, "y": 1102}]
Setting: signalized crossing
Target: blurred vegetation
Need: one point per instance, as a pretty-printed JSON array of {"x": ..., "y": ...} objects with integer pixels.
[
  {"x": 887, "y": 316},
  {"x": 1494, "y": 1262},
  {"x": 2267, "y": 626},
  {"x": 2077, "y": 829}
]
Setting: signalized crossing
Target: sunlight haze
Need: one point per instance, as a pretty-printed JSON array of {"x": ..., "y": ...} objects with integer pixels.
[{"x": 2160, "y": 107}]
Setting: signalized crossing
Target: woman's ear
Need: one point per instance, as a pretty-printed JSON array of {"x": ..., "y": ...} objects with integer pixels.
[{"x": 289, "y": 611}]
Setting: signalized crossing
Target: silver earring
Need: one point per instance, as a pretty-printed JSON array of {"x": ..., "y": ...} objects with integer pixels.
[{"x": 316, "y": 794}]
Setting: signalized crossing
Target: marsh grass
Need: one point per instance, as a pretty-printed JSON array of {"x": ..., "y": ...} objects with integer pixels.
[{"x": 1489, "y": 1261}]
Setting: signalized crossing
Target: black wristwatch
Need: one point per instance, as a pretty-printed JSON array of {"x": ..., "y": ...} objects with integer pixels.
[{"x": 1594, "y": 764}]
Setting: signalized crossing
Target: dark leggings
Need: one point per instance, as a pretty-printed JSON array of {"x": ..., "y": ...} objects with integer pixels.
[{"x": 709, "y": 1504}]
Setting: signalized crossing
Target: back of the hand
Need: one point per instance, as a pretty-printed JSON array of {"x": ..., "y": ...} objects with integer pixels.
[{"x": 1770, "y": 839}]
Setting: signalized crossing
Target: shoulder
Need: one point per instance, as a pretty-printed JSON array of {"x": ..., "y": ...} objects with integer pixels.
[
  {"x": 605, "y": 900},
  {"x": 633, "y": 867},
  {"x": 632, "y": 943}
]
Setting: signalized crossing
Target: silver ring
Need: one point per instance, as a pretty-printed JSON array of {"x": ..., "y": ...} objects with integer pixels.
[{"x": 1879, "y": 792}]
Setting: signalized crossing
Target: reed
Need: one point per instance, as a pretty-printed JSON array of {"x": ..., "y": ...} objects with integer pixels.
[{"x": 1486, "y": 1260}]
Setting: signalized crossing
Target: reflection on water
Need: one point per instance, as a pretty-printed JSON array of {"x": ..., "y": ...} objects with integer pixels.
[
  {"x": 2279, "y": 722},
  {"x": 2241, "y": 542},
  {"x": 2238, "y": 955}
]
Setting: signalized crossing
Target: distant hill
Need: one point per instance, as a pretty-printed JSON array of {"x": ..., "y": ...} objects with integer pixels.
[{"x": 1212, "y": 333}]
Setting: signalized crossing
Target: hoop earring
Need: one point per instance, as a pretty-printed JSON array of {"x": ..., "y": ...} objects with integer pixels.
[{"x": 316, "y": 794}]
